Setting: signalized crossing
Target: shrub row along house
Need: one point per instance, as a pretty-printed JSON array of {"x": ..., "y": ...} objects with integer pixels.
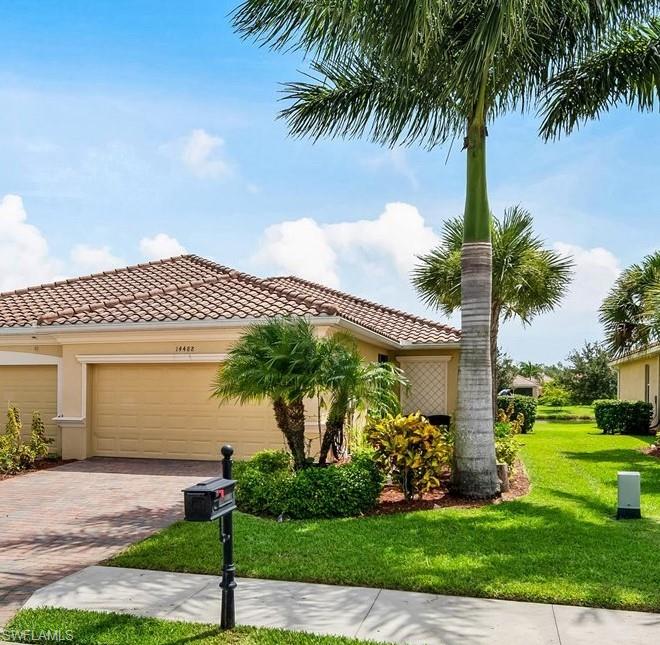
[
  {"x": 638, "y": 377},
  {"x": 121, "y": 363}
]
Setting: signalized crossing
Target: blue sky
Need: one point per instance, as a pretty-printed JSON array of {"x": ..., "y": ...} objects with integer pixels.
[{"x": 129, "y": 130}]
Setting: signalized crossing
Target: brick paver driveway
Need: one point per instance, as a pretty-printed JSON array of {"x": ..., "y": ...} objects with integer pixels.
[{"x": 54, "y": 522}]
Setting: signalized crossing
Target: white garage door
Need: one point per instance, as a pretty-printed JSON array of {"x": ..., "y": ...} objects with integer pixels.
[{"x": 165, "y": 411}]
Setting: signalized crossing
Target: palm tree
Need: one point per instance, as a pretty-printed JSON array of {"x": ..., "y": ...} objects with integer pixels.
[
  {"x": 430, "y": 72},
  {"x": 625, "y": 69},
  {"x": 351, "y": 386},
  {"x": 277, "y": 360},
  {"x": 530, "y": 370},
  {"x": 528, "y": 279},
  {"x": 630, "y": 313}
]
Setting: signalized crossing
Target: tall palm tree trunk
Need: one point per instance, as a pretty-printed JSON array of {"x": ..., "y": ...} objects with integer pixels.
[
  {"x": 494, "y": 332},
  {"x": 475, "y": 466}
]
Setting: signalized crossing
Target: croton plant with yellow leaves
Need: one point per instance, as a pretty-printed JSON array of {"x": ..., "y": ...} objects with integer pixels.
[{"x": 411, "y": 450}]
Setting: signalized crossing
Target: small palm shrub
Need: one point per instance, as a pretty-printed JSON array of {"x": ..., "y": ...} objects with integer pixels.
[
  {"x": 16, "y": 455},
  {"x": 268, "y": 485},
  {"x": 411, "y": 450}
]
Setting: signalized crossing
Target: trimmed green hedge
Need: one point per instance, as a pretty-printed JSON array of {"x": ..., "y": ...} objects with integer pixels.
[
  {"x": 563, "y": 416},
  {"x": 521, "y": 404},
  {"x": 626, "y": 417},
  {"x": 266, "y": 485}
]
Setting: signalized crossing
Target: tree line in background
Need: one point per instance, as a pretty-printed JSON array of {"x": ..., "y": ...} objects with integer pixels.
[{"x": 583, "y": 378}]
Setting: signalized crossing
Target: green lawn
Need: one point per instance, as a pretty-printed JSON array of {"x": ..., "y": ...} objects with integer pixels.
[
  {"x": 560, "y": 543},
  {"x": 567, "y": 412},
  {"x": 93, "y": 628}
]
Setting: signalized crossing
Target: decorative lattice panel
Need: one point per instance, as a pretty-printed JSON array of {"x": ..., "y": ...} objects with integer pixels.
[{"x": 428, "y": 387}]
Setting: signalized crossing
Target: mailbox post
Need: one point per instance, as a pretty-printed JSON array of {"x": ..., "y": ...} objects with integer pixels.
[
  {"x": 228, "y": 583},
  {"x": 210, "y": 500}
]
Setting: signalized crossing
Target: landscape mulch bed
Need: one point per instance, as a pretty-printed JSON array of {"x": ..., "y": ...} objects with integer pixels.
[
  {"x": 393, "y": 501},
  {"x": 653, "y": 451},
  {"x": 42, "y": 464}
]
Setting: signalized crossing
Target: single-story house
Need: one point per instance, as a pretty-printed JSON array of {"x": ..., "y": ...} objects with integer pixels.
[
  {"x": 638, "y": 377},
  {"x": 120, "y": 363},
  {"x": 526, "y": 386}
]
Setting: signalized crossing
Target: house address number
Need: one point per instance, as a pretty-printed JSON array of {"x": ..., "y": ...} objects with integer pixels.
[{"x": 186, "y": 349}]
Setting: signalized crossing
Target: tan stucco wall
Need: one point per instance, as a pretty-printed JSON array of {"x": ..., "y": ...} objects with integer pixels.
[
  {"x": 31, "y": 388},
  {"x": 77, "y": 380},
  {"x": 631, "y": 380},
  {"x": 43, "y": 350}
]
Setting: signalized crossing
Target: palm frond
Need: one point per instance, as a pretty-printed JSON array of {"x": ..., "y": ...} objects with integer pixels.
[
  {"x": 528, "y": 279},
  {"x": 414, "y": 70},
  {"x": 437, "y": 278},
  {"x": 276, "y": 359},
  {"x": 630, "y": 312},
  {"x": 625, "y": 70},
  {"x": 357, "y": 96},
  {"x": 330, "y": 29}
]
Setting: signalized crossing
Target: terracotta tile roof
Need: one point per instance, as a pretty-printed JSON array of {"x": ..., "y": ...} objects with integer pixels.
[
  {"x": 192, "y": 288},
  {"x": 395, "y": 324}
]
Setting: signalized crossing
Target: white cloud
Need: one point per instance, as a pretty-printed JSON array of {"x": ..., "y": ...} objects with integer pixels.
[
  {"x": 300, "y": 247},
  {"x": 93, "y": 259},
  {"x": 160, "y": 246},
  {"x": 24, "y": 256},
  {"x": 314, "y": 251},
  {"x": 25, "y": 259},
  {"x": 595, "y": 271},
  {"x": 202, "y": 154},
  {"x": 399, "y": 233}
]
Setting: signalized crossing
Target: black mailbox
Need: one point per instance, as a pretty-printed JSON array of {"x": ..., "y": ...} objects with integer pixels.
[{"x": 209, "y": 499}]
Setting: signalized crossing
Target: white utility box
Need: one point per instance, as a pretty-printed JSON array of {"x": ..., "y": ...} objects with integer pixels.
[{"x": 629, "y": 487}]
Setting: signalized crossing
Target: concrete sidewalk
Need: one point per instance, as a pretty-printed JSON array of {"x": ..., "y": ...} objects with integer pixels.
[{"x": 376, "y": 614}]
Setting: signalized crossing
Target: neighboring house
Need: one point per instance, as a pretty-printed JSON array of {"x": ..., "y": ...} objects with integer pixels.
[
  {"x": 638, "y": 377},
  {"x": 121, "y": 363},
  {"x": 526, "y": 386}
]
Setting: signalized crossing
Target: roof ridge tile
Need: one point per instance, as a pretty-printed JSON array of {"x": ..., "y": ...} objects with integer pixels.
[
  {"x": 364, "y": 301},
  {"x": 324, "y": 307}
]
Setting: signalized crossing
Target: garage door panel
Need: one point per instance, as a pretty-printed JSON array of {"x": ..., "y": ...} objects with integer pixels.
[
  {"x": 30, "y": 388},
  {"x": 129, "y": 445},
  {"x": 105, "y": 444},
  {"x": 166, "y": 411}
]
